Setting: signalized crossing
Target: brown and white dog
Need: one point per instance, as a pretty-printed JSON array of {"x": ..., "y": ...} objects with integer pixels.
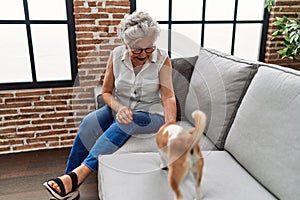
[{"x": 181, "y": 149}]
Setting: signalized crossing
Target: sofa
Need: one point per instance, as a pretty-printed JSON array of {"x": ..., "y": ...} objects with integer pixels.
[{"x": 251, "y": 145}]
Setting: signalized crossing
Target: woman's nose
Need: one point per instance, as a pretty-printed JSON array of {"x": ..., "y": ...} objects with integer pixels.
[{"x": 143, "y": 53}]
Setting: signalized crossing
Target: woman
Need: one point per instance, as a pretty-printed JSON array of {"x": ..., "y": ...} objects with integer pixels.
[{"x": 139, "y": 98}]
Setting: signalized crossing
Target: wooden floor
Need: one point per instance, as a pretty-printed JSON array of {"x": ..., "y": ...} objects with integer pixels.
[{"x": 22, "y": 175}]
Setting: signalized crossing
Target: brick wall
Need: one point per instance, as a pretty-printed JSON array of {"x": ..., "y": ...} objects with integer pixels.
[
  {"x": 291, "y": 9},
  {"x": 48, "y": 118}
]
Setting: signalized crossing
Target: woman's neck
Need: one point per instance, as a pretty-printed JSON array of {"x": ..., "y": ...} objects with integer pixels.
[
  {"x": 135, "y": 64},
  {"x": 137, "y": 69}
]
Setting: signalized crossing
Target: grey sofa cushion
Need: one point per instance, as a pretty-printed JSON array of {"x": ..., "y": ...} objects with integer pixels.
[
  {"x": 218, "y": 84},
  {"x": 139, "y": 143},
  {"x": 182, "y": 72},
  {"x": 265, "y": 137},
  {"x": 224, "y": 179},
  {"x": 137, "y": 176}
]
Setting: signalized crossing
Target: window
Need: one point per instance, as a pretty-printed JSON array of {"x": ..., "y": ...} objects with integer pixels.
[
  {"x": 236, "y": 27},
  {"x": 37, "y": 44}
]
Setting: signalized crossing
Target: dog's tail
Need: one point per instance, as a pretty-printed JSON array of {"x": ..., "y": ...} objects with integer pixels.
[{"x": 200, "y": 124}]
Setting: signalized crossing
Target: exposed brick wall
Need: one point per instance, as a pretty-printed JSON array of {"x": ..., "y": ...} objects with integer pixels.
[
  {"x": 49, "y": 118},
  {"x": 291, "y": 9}
]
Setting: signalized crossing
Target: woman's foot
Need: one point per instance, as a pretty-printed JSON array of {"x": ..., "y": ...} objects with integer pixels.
[
  {"x": 67, "y": 182},
  {"x": 64, "y": 187}
]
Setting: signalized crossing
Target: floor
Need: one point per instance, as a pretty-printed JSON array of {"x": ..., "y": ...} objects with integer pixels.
[{"x": 22, "y": 175}]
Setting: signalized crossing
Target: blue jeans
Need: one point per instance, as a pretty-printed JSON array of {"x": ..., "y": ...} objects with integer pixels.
[{"x": 99, "y": 134}]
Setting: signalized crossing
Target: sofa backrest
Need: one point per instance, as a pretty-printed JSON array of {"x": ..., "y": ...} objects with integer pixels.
[
  {"x": 217, "y": 86},
  {"x": 265, "y": 135},
  {"x": 181, "y": 75}
]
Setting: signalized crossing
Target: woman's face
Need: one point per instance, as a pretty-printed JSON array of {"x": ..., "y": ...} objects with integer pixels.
[{"x": 141, "y": 50}]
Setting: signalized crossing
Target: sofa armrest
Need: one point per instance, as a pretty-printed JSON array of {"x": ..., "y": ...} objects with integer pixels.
[
  {"x": 100, "y": 101},
  {"x": 98, "y": 97}
]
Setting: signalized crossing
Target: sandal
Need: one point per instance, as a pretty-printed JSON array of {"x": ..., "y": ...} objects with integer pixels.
[{"x": 74, "y": 194}]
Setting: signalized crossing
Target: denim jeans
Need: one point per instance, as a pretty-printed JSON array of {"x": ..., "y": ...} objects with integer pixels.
[{"x": 100, "y": 134}]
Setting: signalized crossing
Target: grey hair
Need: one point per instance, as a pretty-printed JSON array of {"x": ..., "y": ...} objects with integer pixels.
[{"x": 137, "y": 25}]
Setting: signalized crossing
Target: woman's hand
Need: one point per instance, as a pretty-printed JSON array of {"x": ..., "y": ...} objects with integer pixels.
[{"x": 124, "y": 115}]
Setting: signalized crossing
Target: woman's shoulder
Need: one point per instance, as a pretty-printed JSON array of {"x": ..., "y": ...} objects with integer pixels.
[
  {"x": 161, "y": 55},
  {"x": 120, "y": 48},
  {"x": 119, "y": 51},
  {"x": 161, "y": 51}
]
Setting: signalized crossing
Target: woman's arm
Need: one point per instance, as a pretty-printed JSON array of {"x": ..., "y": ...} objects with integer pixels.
[
  {"x": 167, "y": 92},
  {"x": 124, "y": 114}
]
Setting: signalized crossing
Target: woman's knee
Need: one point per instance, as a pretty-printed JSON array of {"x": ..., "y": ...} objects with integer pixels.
[
  {"x": 104, "y": 116},
  {"x": 116, "y": 135},
  {"x": 88, "y": 119}
]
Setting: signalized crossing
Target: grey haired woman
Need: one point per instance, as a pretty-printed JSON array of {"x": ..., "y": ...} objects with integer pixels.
[{"x": 139, "y": 98}]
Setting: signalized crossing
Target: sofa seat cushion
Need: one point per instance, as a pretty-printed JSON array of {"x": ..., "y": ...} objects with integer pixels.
[
  {"x": 223, "y": 178},
  {"x": 265, "y": 135},
  {"x": 139, "y": 143},
  {"x": 137, "y": 176},
  {"x": 217, "y": 86}
]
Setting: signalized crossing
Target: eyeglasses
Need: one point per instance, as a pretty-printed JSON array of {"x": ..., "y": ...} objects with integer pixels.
[{"x": 147, "y": 50}]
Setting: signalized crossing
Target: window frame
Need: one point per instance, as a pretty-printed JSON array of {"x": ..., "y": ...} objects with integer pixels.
[
  {"x": 203, "y": 22},
  {"x": 34, "y": 84}
]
